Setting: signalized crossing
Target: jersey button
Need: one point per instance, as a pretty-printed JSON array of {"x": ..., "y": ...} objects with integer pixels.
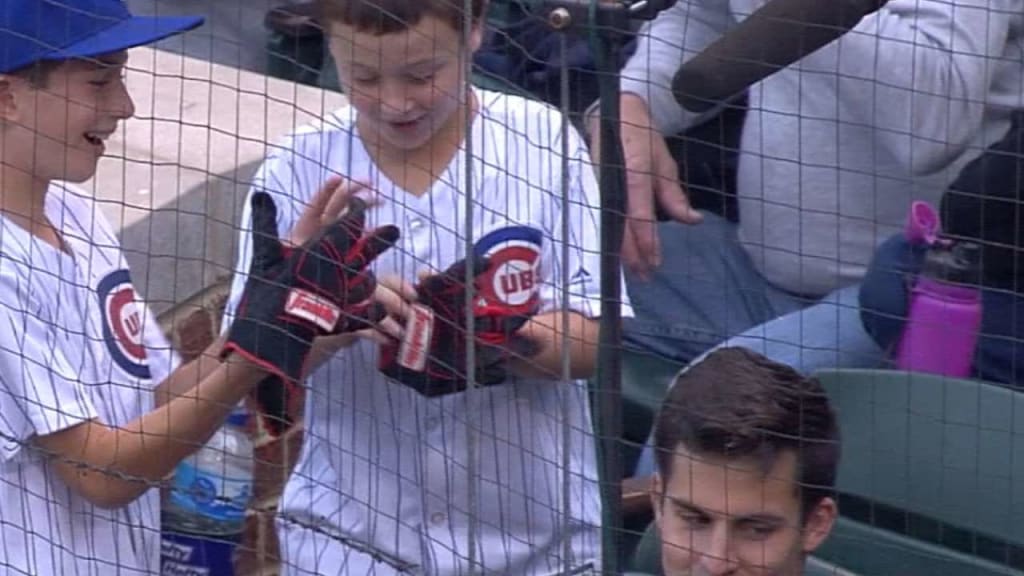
[{"x": 416, "y": 224}]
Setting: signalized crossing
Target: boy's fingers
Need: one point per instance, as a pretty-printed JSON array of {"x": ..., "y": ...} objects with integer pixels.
[
  {"x": 399, "y": 287},
  {"x": 310, "y": 221},
  {"x": 394, "y": 297},
  {"x": 387, "y": 329},
  {"x": 328, "y": 205},
  {"x": 326, "y": 193},
  {"x": 338, "y": 201}
]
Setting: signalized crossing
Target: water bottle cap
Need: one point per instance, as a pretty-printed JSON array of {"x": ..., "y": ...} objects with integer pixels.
[
  {"x": 922, "y": 224},
  {"x": 239, "y": 419}
]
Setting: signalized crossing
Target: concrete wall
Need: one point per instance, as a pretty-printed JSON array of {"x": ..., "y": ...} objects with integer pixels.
[{"x": 176, "y": 174}]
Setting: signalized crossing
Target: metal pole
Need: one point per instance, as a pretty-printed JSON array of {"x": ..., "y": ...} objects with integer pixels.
[{"x": 607, "y": 23}]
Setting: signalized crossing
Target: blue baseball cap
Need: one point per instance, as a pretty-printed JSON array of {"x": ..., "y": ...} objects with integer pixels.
[{"x": 34, "y": 30}]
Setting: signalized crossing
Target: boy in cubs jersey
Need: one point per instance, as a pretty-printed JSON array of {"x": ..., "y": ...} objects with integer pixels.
[
  {"x": 407, "y": 466},
  {"x": 94, "y": 409}
]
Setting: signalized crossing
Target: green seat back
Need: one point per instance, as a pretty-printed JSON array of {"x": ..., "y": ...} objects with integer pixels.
[
  {"x": 863, "y": 549},
  {"x": 940, "y": 460},
  {"x": 947, "y": 449},
  {"x": 646, "y": 557},
  {"x": 645, "y": 381}
]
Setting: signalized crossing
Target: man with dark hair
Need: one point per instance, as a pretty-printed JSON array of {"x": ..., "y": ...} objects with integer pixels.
[{"x": 747, "y": 451}]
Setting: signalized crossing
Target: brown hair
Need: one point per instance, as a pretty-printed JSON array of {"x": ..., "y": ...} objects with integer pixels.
[
  {"x": 738, "y": 404},
  {"x": 37, "y": 73},
  {"x": 391, "y": 16}
]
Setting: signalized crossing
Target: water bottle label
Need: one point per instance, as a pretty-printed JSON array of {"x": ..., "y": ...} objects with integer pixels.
[
  {"x": 189, "y": 555},
  {"x": 210, "y": 495}
]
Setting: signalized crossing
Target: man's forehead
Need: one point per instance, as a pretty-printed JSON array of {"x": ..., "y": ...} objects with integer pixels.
[{"x": 734, "y": 487}]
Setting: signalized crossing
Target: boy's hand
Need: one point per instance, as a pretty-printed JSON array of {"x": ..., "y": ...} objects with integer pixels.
[
  {"x": 294, "y": 295},
  {"x": 431, "y": 356},
  {"x": 383, "y": 332},
  {"x": 326, "y": 206}
]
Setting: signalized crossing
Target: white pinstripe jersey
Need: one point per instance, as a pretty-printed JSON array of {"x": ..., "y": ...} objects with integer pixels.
[
  {"x": 390, "y": 481},
  {"x": 76, "y": 345}
]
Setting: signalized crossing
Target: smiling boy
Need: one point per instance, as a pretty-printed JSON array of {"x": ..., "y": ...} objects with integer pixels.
[
  {"x": 406, "y": 465},
  {"x": 94, "y": 410}
]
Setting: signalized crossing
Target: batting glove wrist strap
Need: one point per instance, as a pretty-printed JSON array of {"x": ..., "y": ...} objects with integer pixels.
[{"x": 432, "y": 356}]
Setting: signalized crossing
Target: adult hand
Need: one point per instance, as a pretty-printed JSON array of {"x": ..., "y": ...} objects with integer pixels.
[{"x": 652, "y": 175}]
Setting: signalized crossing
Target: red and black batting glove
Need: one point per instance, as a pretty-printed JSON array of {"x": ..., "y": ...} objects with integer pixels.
[
  {"x": 294, "y": 295},
  {"x": 432, "y": 359}
]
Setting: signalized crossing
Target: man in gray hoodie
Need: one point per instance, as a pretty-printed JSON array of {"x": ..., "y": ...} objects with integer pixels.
[{"x": 833, "y": 150}]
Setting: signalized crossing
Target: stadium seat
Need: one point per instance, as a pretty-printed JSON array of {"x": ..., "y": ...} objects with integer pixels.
[
  {"x": 932, "y": 474},
  {"x": 645, "y": 380},
  {"x": 864, "y": 549},
  {"x": 646, "y": 557}
]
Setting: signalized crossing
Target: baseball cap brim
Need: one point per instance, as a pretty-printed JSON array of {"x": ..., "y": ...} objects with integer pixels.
[{"x": 129, "y": 33}]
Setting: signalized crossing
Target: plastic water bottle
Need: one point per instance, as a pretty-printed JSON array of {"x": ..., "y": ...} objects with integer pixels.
[
  {"x": 204, "y": 510},
  {"x": 944, "y": 316}
]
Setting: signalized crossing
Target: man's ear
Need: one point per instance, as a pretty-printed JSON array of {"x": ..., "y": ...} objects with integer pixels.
[
  {"x": 476, "y": 34},
  {"x": 819, "y": 524}
]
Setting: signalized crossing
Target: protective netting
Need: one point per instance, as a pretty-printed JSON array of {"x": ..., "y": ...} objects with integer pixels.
[{"x": 761, "y": 315}]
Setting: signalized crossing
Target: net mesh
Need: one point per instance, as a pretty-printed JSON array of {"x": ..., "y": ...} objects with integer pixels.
[{"x": 853, "y": 220}]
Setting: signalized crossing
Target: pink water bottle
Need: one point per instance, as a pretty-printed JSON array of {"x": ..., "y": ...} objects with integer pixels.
[{"x": 944, "y": 316}]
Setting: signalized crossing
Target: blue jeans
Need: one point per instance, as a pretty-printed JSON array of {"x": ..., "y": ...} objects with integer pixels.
[
  {"x": 705, "y": 291},
  {"x": 709, "y": 295},
  {"x": 884, "y": 300}
]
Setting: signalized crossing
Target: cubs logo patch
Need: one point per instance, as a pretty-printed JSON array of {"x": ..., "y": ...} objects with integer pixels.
[
  {"x": 122, "y": 323},
  {"x": 514, "y": 278}
]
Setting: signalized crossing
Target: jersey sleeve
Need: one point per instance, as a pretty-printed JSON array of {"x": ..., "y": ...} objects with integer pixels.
[
  {"x": 582, "y": 258},
  {"x": 39, "y": 390},
  {"x": 161, "y": 356}
]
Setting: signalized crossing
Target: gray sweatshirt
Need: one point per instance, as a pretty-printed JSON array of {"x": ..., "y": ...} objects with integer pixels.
[{"x": 836, "y": 146}]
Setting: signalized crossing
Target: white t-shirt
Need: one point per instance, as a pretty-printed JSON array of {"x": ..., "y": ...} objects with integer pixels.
[
  {"x": 75, "y": 344},
  {"x": 390, "y": 481}
]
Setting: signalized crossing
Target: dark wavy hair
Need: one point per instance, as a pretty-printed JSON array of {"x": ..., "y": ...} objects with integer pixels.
[{"x": 737, "y": 404}]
